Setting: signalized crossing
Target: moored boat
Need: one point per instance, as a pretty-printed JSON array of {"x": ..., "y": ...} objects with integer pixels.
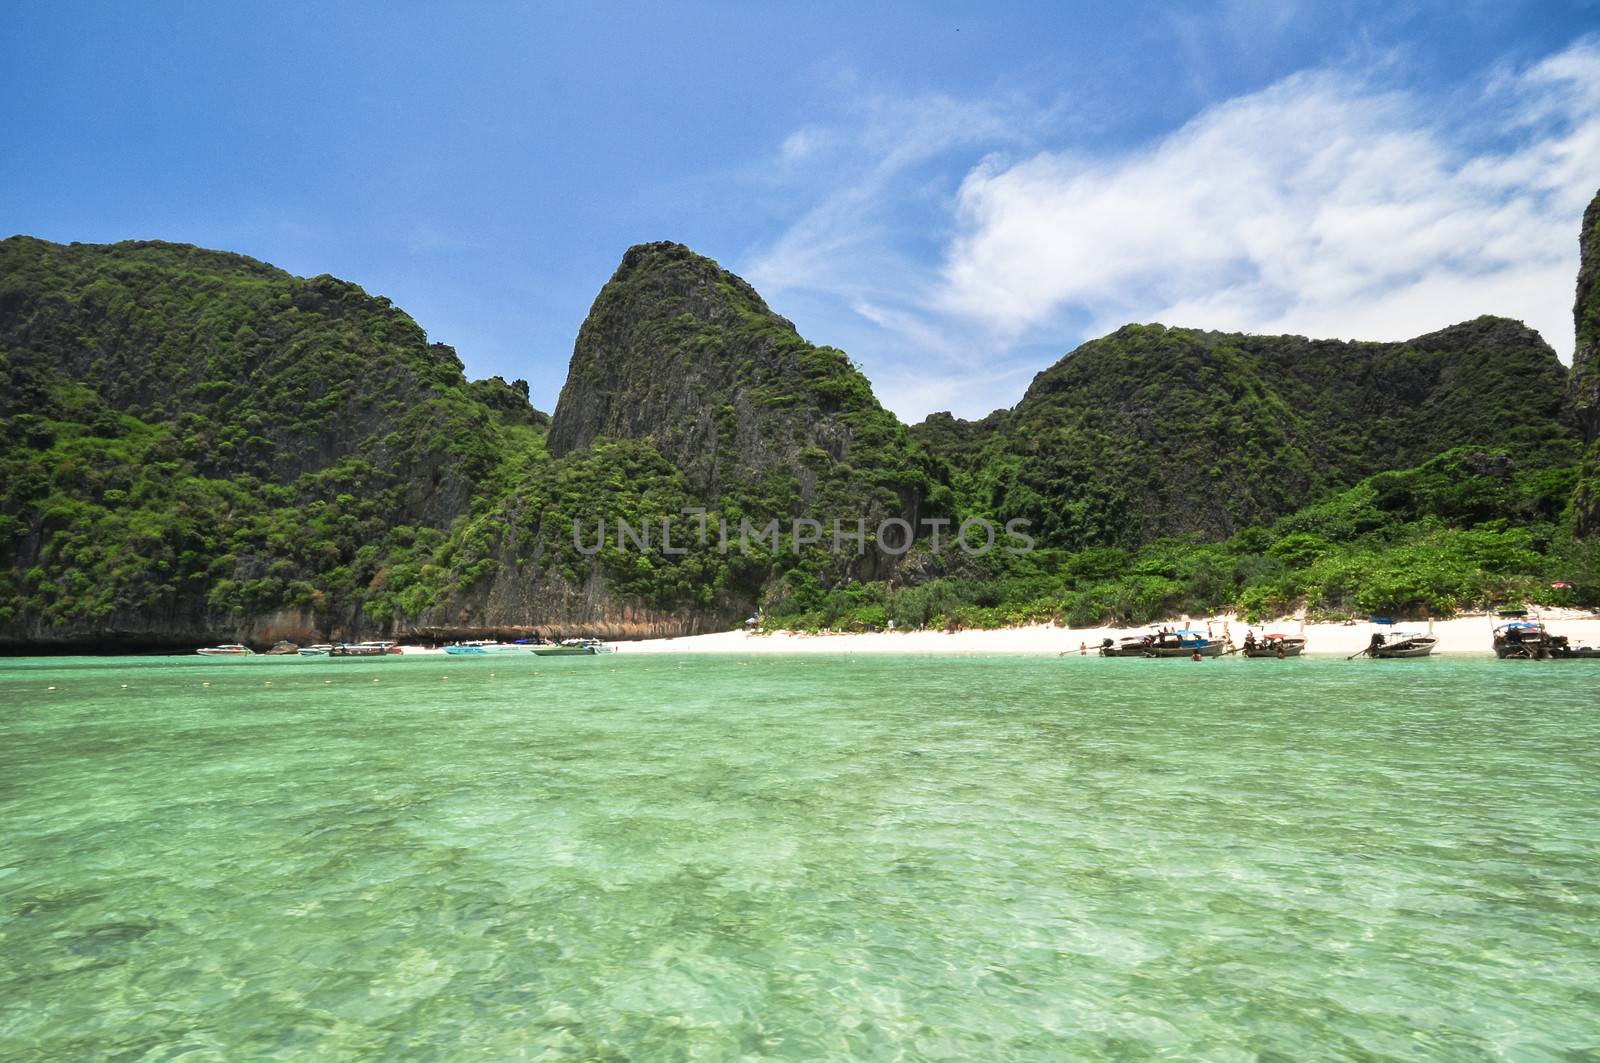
[
  {"x": 479, "y": 647},
  {"x": 364, "y": 649},
  {"x": 1406, "y": 644},
  {"x": 1521, "y": 637},
  {"x": 573, "y": 648},
  {"x": 1524, "y": 637},
  {"x": 321, "y": 649},
  {"x": 1391, "y": 644},
  {"x": 1127, "y": 646},
  {"x": 1273, "y": 646},
  {"x": 1185, "y": 644},
  {"x": 231, "y": 649},
  {"x": 1162, "y": 643}
]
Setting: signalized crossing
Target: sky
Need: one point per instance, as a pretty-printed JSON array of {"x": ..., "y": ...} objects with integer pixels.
[{"x": 955, "y": 194}]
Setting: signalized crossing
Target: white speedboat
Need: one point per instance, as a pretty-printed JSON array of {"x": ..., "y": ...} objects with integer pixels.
[
  {"x": 480, "y": 647},
  {"x": 321, "y": 649},
  {"x": 574, "y": 648},
  {"x": 364, "y": 649},
  {"x": 232, "y": 649}
]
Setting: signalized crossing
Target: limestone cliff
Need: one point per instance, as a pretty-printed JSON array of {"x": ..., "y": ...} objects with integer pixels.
[
  {"x": 1584, "y": 390},
  {"x": 681, "y": 353},
  {"x": 196, "y": 445},
  {"x": 1155, "y": 431}
]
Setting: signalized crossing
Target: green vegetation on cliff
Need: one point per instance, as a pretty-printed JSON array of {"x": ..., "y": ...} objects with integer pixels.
[
  {"x": 1585, "y": 386},
  {"x": 188, "y": 437},
  {"x": 1468, "y": 529},
  {"x": 681, "y": 353},
  {"x": 193, "y": 443},
  {"x": 1154, "y": 431}
]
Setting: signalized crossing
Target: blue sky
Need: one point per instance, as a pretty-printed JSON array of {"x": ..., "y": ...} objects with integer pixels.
[{"x": 956, "y": 194}]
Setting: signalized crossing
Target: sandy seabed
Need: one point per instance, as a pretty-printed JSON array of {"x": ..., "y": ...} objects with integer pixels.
[{"x": 1462, "y": 635}]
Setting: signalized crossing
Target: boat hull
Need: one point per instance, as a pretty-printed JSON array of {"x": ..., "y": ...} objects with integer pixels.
[
  {"x": 1553, "y": 650},
  {"x": 1209, "y": 649},
  {"x": 1272, "y": 651},
  {"x": 1163, "y": 645},
  {"x": 1403, "y": 651},
  {"x": 563, "y": 651}
]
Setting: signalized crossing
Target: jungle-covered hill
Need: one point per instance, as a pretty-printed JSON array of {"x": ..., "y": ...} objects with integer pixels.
[
  {"x": 196, "y": 446},
  {"x": 1156, "y": 431},
  {"x": 194, "y": 442}
]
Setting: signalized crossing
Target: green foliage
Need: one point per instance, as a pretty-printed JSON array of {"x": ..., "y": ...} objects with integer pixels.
[
  {"x": 1468, "y": 529},
  {"x": 185, "y": 433},
  {"x": 1155, "y": 431}
]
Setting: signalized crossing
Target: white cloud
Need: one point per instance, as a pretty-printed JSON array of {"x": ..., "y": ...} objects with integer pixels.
[
  {"x": 1317, "y": 205},
  {"x": 848, "y": 239},
  {"x": 804, "y": 143},
  {"x": 1323, "y": 205},
  {"x": 855, "y": 266}
]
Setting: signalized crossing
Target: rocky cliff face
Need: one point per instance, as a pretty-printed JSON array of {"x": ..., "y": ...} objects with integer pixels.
[
  {"x": 1156, "y": 431},
  {"x": 681, "y": 353},
  {"x": 1585, "y": 387},
  {"x": 193, "y": 443},
  {"x": 196, "y": 447},
  {"x": 1584, "y": 391}
]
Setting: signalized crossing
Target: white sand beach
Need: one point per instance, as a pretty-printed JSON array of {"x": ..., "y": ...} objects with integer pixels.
[{"x": 1462, "y": 635}]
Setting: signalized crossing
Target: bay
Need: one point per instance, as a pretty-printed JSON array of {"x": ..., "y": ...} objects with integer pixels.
[{"x": 798, "y": 858}]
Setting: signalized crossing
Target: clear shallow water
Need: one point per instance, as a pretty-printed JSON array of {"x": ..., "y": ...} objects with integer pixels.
[{"x": 793, "y": 858}]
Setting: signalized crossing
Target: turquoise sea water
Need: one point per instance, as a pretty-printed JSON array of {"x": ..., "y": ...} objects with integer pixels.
[{"x": 799, "y": 858}]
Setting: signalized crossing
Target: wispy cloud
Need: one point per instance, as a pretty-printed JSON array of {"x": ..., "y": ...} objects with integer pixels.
[
  {"x": 878, "y": 186},
  {"x": 1317, "y": 205},
  {"x": 1322, "y": 204},
  {"x": 870, "y": 171}
]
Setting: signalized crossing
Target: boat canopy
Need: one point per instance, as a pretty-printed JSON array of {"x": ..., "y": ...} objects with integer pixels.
[
  {"x": 1382, "y": 619},
  {"x": 1513, "y": 612}
]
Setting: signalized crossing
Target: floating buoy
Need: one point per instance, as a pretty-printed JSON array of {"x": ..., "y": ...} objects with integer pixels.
[
  {"x": 124, "y": 686},
  {"x": 205, "y": 684},
  {"x": 329, "y": 682},
  {"x": 269, "y": 682},
  {"x": 49, "y": 688}
]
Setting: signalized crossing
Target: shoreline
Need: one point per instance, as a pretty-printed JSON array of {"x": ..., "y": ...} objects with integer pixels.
[
  {"x": 1466, "y": 635},
  {"x": 1463, "y": 635}
]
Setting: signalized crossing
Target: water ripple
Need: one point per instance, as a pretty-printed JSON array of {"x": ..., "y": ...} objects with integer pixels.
[{"x": 794, "y": 858}]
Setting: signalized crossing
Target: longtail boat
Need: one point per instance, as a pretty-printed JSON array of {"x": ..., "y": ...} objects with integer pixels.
[{"x": 1274, "y": 646}]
